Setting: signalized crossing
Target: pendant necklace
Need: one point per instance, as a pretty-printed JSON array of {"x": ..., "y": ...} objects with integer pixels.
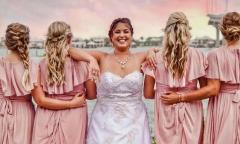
[{"x": 122, "y": 62}]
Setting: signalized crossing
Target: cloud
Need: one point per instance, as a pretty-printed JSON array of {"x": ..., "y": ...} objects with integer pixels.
[{"x": 93, "y": 17}]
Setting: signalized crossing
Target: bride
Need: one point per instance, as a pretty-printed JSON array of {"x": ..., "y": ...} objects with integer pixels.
[{"x": 119, "y": 116}]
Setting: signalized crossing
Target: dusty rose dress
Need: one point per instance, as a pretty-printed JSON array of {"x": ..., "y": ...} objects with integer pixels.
[
  {"x": 62, "y": 126},
  {"x": 16, "y": 108},
  {"x": 180, "y": 123},
  {"x": 223, "y": 117}
]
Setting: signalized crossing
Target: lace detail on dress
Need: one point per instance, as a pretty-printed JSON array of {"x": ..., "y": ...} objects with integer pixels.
[{"x": 119, "y": 116}]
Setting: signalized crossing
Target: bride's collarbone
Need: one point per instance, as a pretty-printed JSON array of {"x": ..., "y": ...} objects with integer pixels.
[
  {"x": 124, "y": 64},
  {"x": 120, "y": 68}
]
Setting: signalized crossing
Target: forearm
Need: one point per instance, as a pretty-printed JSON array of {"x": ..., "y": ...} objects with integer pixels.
[
  {"x": 200, "y": 94},
  {"x": 91, "y": 91},
  {"x": 53, "y": 104},
  {"x": 209, "y": 88},
  {"x": 80, "y": 55},
  {"x": 48, "y": 103},
  {"x": 149, "y": 92},
  {"x": 149, "y": 96},
  {"x": 149, "y": 82}
]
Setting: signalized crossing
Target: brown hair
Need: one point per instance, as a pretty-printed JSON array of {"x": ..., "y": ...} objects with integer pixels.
[
  {"x": 230, "y": 26},
  {"x": 114, "y": 25},
  {"x": 17, "y": 39},
  {"x": 57, "y": 41},
  {"x": 176, "y": 39}
]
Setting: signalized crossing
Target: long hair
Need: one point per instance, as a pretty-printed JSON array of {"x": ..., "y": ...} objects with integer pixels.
[
  {"x": 58, "y": 36},
  {"x": 17, "y": 40},
  {"x": 176, "y": 39}
]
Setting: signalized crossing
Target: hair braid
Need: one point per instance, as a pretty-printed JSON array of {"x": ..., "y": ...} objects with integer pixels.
[{"x": 17, "y": 39}]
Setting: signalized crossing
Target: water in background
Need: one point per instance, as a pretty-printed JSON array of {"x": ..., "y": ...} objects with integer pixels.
[{"x": 36, "y": 55}]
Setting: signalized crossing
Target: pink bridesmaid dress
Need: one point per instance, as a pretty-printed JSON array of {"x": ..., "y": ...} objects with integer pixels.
[
  {"x": 223, "y": 116},
  {"x": 16, "y": 107},
  {"x": 62, "y": 126},
  {"x": 180, "y": 123}
]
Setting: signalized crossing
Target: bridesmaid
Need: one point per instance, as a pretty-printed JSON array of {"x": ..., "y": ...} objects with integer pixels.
[
  {"x": 17, "y": 79},
  {"x": 223, "y": 88},
  {"x": 61, "y": 116},
  {"x": 179, "y": 69},
  {"x": 223, "y": 119}
]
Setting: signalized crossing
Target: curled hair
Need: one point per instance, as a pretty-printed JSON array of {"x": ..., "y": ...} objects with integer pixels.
[
  {"x": 58, "y": 36},
  {"x": 176, "y": 39},
  {"x": 114, "y": 25},
  {"x": 230, "y": 26},
  {"x": 17, "y": 40}
]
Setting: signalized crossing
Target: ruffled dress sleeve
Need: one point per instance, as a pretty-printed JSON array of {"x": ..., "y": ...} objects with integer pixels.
[
  {"x": 224, "y": 65},
  {"x": 76, "y": 73},
  {"x": 11, "y": 77},
  {"x": 195, "y": 68},
  {"x": 147, "y": 70}
]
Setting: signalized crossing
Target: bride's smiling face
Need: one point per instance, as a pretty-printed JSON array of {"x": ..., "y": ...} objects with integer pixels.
[{"x": 122, "y": 36}]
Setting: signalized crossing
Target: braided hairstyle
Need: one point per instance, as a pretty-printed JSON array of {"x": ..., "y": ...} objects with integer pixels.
[
  {"x": 17, "y": 40},
  {"x": 58, "y": 36},
  {"x": 176, "y": 39}
]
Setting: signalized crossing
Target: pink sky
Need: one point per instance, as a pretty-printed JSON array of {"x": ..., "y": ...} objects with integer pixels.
[{"x": 91, "y": 18}]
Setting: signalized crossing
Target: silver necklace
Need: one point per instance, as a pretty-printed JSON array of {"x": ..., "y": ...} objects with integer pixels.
[{"x": 122, "y": 62}]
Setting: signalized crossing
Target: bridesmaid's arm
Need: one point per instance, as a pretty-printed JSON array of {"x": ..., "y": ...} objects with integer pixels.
[
  {"x": 79, "y": 54},
  {"x": 211, "y": 89},
  {"x": 55, "y": 104},
  {"x": 149, "y": 82},
  {"x": 206, "y": 91},
  {"x": 82, "y": 55},
  {"x": 202, "y": 82},
  {"x": 91, "y": 91}
]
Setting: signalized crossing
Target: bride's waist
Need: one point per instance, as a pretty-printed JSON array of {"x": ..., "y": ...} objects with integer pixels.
[
  {"x": 118, "y": 99},
  {"x": 119, "y": 94}
]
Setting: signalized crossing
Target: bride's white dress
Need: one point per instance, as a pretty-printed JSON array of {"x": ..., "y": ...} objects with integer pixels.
[{"x": 119, "y": 116}]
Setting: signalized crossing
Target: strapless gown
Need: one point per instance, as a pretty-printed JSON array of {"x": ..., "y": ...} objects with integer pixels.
[{"x": 119, "y": 116}]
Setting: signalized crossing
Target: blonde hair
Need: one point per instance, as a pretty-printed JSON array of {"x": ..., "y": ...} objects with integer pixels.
[
  {"x": 230, "y": 26},
  {"x": 176, "y": 39},
  {"x": 17, "y": 39},
  {"x": 58, "y": 36}
]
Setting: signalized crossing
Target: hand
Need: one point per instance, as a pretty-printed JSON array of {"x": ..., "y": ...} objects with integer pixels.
[
  {"x": 170, "y": 98},
  {"x": 94, "y": 69},
  {"x": 78, "y": 101},
  {"x": 151, "y": 57}
]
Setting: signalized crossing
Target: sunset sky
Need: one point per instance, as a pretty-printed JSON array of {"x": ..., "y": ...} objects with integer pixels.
[{"x": 92, "y": 18}]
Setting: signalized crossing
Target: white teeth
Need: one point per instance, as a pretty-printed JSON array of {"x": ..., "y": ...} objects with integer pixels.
[{"x": 122, "y": 40}]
